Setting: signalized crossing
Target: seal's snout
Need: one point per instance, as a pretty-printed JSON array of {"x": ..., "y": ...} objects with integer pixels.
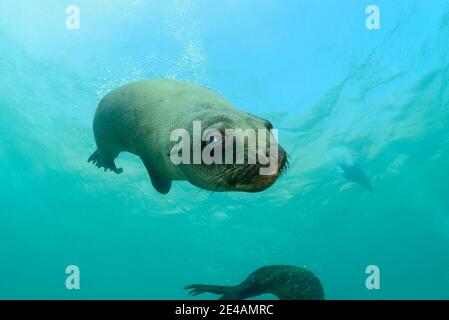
[
  {"x": 283, "y": 161},
  {"x": 277, "y": 166},
  {"x": 265, "y": 176}
]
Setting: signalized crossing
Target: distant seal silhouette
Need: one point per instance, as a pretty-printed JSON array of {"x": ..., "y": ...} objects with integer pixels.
[
  {"x": 346, "y": 163},
  {"x": 139, "y": 118},
  {"x": 284, "y": 282},
  {"x": 353, "y": 173}
]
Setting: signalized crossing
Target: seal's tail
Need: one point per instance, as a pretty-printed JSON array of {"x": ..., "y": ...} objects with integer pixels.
[{"x": 97, "y": 160}]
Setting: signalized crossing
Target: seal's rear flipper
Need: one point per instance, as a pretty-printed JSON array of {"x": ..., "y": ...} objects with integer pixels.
[
  {"x": 96, "y": 159},
  {"x": 160, "y": 183}
]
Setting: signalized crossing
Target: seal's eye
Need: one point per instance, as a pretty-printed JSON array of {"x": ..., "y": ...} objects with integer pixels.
[{"x": 212, "y": 139}]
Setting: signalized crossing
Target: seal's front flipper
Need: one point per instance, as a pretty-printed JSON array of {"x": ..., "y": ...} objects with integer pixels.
[
  {"x": 226, "y": 292},
  {"x": 98, "y": 161},
  {"x": 196, "y": 289},
  {"x": 160, "y": 183}
]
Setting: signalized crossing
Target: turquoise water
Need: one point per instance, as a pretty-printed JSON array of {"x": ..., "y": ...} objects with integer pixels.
[{"x": 380, "y": 97}]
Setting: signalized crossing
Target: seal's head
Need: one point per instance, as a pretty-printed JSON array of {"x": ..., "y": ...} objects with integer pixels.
[{"x": 238, "y": 152}]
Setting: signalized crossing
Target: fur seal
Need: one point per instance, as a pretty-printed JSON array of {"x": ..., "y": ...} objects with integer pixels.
[
  {"x": 285, "y": 282},
  {"x": 343, "y": 159},
  {"x": 354, "y": 174},
  {"x": 140, "y": 117}
]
